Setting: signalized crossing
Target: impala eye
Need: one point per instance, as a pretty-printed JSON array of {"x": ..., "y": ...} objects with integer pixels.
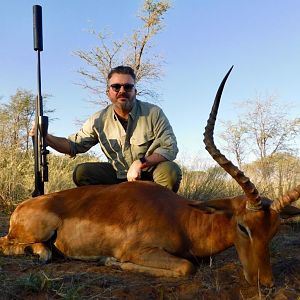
[{"x": 243, "y": 229}]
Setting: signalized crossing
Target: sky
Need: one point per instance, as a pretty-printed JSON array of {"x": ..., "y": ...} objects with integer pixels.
[{"x": 201, "y": 40}]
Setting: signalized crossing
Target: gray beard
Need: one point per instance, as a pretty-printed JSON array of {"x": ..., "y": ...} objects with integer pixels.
[{"x": 127, "y": 106}]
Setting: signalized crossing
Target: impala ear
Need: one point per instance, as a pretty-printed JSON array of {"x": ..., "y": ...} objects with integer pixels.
[
  {"x": 214, "y": 206},
  {"x": 289, "y": 211}
]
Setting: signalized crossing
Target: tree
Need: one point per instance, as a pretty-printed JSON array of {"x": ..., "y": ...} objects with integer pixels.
[
  {"x": 16, "y": 118},
  {"x": 16, "y": 159},
  {"x": 264, "y": 129},
  {"x": 284, "y": 174},
  {"x": 134, "y": 51},
  {"x": 235, "y": 140},
  {"x": 269, "y": 126}
]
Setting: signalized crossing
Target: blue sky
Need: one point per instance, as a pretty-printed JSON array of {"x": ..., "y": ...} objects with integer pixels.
[{"x": 200, "y": 41}]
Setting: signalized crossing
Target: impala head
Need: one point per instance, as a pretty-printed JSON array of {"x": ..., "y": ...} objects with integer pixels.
[{"x": 257, "y": 220}]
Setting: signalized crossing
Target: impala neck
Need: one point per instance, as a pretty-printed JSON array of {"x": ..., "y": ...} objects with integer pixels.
[{"x": 209, "y": 233}]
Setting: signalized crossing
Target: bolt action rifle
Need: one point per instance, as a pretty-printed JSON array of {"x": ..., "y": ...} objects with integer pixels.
[{"x": 41, "y": 121}]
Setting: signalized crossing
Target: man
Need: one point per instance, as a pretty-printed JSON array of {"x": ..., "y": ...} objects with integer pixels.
[{"x": 135, "y": 136}]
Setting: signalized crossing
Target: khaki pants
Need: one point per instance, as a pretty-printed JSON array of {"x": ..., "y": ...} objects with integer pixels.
[{"x": 166, "y": 173}]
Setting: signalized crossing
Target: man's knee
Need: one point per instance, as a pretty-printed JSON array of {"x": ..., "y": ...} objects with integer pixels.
[
  {"x": 168, "y": 174},
  {"x": 81, "y": 174},
  {"x": 92, "y": 173}
]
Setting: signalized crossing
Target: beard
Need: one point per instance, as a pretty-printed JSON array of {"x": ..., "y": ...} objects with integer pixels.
[{"x": 125, "y": 102}]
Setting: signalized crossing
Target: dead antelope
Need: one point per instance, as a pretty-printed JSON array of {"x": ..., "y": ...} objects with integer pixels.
[{"x": 148, "y": 228}]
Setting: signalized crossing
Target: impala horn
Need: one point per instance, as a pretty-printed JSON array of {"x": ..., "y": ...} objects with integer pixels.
[
  {"x": 287, "y": 199},
  {"x": 253, "y": 198}
]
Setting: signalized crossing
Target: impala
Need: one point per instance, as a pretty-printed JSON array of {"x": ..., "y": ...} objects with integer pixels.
[{"x": 144, "y": 227}]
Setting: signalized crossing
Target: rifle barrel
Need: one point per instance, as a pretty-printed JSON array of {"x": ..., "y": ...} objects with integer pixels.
[
  {"x": 37, "y": 28},
  {"x": 41, "y": 121}
]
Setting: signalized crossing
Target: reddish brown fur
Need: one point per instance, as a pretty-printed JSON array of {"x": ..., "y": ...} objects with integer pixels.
[{"x": 144, "y": 226}]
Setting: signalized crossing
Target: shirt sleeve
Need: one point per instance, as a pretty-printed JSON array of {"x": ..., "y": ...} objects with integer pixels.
[
  {"x": 85, "y": 138},
  {"x": 165, "y": 142}
]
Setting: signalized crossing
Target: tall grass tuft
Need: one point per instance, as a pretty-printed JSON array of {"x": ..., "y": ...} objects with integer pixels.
[
  {"x": 211, "y": 183},
  {"x": 17, "y": 175}
]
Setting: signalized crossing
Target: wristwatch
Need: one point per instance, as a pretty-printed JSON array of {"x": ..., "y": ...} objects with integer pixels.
[{"x": 143, "y": 161}]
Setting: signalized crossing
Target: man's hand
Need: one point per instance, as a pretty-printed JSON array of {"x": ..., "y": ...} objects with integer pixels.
[
  {"x": 32, "y": 130},
  {"x": 135, "y": 170}
]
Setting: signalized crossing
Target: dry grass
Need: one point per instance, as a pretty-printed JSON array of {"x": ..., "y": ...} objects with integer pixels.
[{"x": 17, "y": 176}]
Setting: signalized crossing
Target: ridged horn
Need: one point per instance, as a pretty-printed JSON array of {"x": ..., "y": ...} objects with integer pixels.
[
  {"x": 287, "y": 199},
  {"x": 253, "y": 198}
]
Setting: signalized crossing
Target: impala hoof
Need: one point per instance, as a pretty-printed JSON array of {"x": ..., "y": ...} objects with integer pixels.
[{"x": 108, "y": 261}]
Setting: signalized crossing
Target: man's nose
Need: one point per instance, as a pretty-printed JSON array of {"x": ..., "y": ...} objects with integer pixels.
[{"x": 122, "y": 89}]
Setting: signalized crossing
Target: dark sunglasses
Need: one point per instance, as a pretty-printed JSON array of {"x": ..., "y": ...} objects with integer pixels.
[{"x": 128, "y": 87}]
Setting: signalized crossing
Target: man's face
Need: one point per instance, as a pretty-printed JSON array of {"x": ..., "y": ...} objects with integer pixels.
[{"x": 121, "y": 92}]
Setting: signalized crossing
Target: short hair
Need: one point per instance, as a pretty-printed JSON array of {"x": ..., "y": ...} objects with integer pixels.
[{"x": 121, "y": 70}]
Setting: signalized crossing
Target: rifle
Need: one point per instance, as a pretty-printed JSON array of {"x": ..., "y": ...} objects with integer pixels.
[{"x": 41, "y": 121}]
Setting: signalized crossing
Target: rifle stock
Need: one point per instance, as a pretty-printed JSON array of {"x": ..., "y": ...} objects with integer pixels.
[{"x": 41, "y": 121}]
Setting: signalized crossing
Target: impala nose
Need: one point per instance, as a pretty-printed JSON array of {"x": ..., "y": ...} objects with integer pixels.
[{"x": 266, "y": 281}]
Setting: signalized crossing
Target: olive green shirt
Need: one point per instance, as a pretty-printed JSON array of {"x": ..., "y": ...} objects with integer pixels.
[{"x": 148, "y": 131}]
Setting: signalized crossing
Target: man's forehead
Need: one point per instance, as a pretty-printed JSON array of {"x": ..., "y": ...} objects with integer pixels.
[{"x": 121, "y": 78}]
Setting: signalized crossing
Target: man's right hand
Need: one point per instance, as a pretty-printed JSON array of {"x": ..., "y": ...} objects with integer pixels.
[{"x": 135, "y": 170}]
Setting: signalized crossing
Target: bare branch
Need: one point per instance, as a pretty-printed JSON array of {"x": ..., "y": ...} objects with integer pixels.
[{"x": 134, "y": 52}]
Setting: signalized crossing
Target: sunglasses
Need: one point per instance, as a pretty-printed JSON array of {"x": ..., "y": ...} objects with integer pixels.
[{"x": 128, "y": 87}]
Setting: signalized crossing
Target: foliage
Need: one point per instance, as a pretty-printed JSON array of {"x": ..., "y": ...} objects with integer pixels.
[
  {"x": 214, "y": 182},
  {"x": 17, "y": 174},
  {"x": 284, "y": 174},
  {"x": 134, "y": 51},
  {"x": 263, "y": 130},
  {"x": 17, "y": 177},
  {"x": 204, "y": 185},
  {"x": 234, "y": 135},
  {"x": 61, "y": 169},
  {"x": 16, "y": 118},
  {"x": 270, "y": 127}
]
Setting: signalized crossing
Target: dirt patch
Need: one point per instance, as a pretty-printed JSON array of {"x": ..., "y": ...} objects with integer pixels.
[{"x": 218, "y": 278}]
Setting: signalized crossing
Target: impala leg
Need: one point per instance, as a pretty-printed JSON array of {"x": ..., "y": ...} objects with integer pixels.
[
  {"x": 11, "y": 247},
  {"x": 44, "y": 253},
  {"x": 29, "y": 228},
  {"x": 158, "y": 262},
  {"x": 8, "y": 247}
]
